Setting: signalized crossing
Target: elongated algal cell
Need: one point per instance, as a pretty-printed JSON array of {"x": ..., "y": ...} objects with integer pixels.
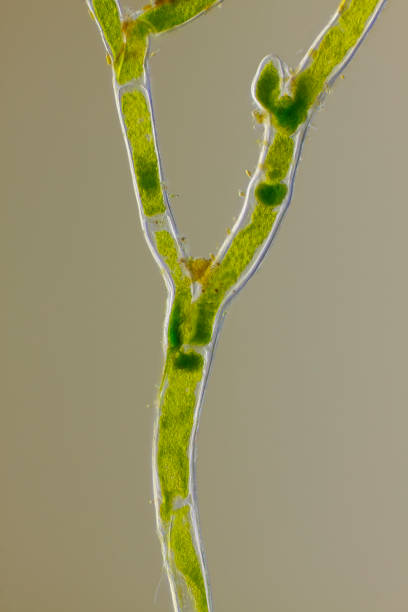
[{"x": 199, "y": 289}]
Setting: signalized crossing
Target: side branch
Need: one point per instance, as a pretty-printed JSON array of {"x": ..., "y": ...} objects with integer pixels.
[
  {"x": 286, "y": 101},
  {"x": 127, "y": 40}
]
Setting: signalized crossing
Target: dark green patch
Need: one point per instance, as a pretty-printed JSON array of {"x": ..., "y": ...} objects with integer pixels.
[
  {"x": 289, "y": 113},
  {"x": 203, "y": 324},
  {"x": 268, "y": 87},
  {"x": 271, "y": 195},
  {"x": 176, "y": 319},
  {"x": 188, "y": 361},
  {"x": 147, "y": 175}
]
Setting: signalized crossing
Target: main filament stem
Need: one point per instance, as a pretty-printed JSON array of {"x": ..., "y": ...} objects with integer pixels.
[{"x": 174, "y": 481}]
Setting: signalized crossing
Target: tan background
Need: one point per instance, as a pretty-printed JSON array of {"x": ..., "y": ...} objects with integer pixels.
[{"x": 303, "y": 454}]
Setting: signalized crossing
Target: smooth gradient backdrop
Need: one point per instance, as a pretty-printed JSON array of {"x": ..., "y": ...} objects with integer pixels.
[{"x": 303, "y": 454}]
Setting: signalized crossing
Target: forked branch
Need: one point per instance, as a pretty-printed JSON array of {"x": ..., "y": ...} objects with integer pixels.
[{"x": 199, "y": 289}]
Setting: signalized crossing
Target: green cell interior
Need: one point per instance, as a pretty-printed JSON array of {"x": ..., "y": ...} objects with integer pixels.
[
  {"x": 185, "y": 558},
  {"x": 139, "y": 129}
]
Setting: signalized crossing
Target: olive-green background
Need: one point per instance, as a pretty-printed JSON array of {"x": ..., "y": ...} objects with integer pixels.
[{"x": 303, "y": 453}]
